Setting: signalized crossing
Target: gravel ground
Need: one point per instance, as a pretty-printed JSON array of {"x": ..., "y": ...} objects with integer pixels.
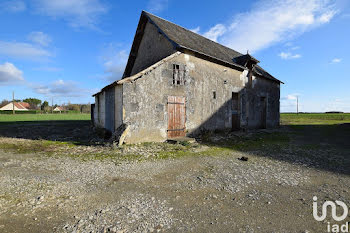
[
  {"x": 193, "y": 194},
  {"x": 209, "y": 190}
]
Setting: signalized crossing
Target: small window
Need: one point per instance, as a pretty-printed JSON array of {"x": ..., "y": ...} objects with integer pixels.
[
  {"x": 178, "y": 75},
  {"x": 214, "y": 95}
]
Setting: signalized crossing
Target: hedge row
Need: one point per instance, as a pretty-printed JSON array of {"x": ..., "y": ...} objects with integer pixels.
[
  {"x": 37, "y": 112},
  {"x": 20, "y": 112}
]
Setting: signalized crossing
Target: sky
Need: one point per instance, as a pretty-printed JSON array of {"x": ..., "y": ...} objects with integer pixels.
[{"x": 67, "y": 50}]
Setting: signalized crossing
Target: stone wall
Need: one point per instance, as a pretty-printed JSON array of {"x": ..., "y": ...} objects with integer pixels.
[
  {"x": 145, "y": 100},
  {"x": 263, "y": 88},
  {"x": 142, "y": 104},
  {"x": 118, "y": 106},
  {"x": 153, "y": 48}
]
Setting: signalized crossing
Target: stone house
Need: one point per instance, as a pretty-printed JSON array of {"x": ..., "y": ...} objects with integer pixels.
[{"x": 177, "y": 83}]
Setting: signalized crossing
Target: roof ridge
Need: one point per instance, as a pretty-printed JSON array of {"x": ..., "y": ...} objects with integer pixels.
[
  {"x": 191, "y": 31},
  {"x": 185, "y": 39}
]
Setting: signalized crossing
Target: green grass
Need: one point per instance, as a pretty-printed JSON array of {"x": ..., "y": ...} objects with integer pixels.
[
  {"x": 43, "y": 117},
  {"x": 314, "y": 118},
  {"x": 34, "y": 146}
]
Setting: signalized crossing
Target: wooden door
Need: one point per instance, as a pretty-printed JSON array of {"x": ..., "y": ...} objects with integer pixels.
[
  {"x": 235, "y": 111},
  {"x": 176, "y": 116}
]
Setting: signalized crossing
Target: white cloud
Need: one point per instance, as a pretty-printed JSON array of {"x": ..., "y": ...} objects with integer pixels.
[
  {"x": 215, "y": 32},
  {"x": 196, "y": 30},
  {"x": 22, "y": 50},
  {"x": 292, "y": 97},
  {"x": 10, "y": 74},
  {"x": 157, "y": 6},
  {"x": 40, "y": 38},
  {"x": 313, "y": 103},
  {"x": 61, "y": 88},
  {"x": 78, "y": 13},
  {"x": 289, "y": 103},
  {"x": 273, "y": 21},
  {"x": 337, "y": 104},
  {"x": 287, "y": 55},
  {"x": 41, "y": 89},
  {"x": 326, "y": 17},
  {"x": 13, "y": 6},
  {"x": 336, "y": 60},
  {"x": 48, "y": 69},
  {"x": 114, "y": 59}
]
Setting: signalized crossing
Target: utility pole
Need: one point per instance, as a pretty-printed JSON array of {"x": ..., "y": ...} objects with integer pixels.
[
  {"x": 13, "y": 102},
  {"x": 297, "y": 104}
]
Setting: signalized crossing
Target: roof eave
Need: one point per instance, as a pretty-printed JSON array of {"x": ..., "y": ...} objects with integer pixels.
[
  {"x": 211, "y": 58},
  {"x": 138, "y": 75},
  {"x": 271, "y": 78}
]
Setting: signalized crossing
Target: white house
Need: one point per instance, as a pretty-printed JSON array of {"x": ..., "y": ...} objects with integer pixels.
[
  {"x": 19, "y": 106},
  {"x": 58, "y": 109}
]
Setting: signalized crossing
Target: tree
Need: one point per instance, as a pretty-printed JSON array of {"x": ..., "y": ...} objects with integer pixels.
[
  {"x": 34, "y": 103},
  {"x": 85, "y": 108},
  {"x": 3, "y": 103},
  {"x": 73, "y": 107},
  {"x": 45, "y": 106}
]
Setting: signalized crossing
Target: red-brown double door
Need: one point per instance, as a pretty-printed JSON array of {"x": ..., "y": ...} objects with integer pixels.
[{"x": 176, "y": 116}]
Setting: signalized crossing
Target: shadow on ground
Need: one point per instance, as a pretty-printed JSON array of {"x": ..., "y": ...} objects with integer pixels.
[
  {"x": 78, "y": 132},
  {"x": 325, "y": 147}
]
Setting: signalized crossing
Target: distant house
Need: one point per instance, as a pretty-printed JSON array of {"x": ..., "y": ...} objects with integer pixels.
[
  {"x": 19, "y": 106},
  {"x": 58, "y": 109}
]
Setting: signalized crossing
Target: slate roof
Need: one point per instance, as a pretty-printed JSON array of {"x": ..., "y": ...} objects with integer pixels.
[{"x": 185, "y": 39}]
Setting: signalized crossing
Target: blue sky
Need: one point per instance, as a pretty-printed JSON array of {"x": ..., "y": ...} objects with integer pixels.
[{"x": 69, "y": 49}]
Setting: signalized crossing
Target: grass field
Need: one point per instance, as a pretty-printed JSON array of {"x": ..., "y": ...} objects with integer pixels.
[
  {"x": 314, "y": 118},
  {"x": 286, "y": 118},
  {"x": 43, "y": 117}
]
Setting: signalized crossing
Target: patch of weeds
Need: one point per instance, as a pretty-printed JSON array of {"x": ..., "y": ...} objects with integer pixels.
[
  {"x": 23, "y": 148},
  {"x": 59, "y": 143},
  {"x": 33, "y": 146},
  {"x": 6, "y": 197},
  {"x": 148, "y": 144},
  {"x": 185, "y": 143},
  {"x": 10, "y": 198},
  {"x": 131, "y": 157},
  {"x": 276, "y": 141},
  {"x": 173, "y": 154}
]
